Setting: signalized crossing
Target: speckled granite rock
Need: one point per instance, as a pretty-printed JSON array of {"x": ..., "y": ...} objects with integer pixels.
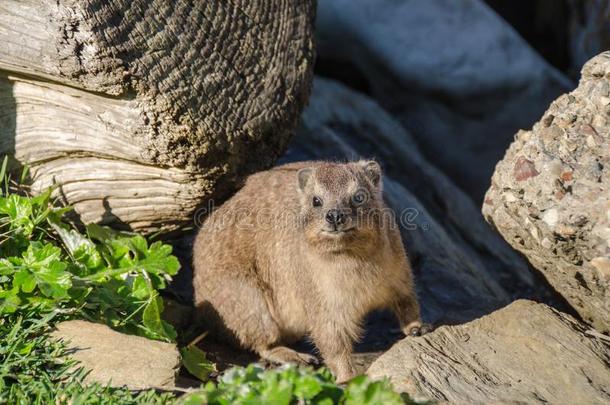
[
  {"x": 550, "y": 195},
  {"x": 524, "y": 353}
]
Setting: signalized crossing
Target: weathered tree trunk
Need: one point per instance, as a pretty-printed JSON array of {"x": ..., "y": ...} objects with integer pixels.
[{"x": 142, "y": 110}]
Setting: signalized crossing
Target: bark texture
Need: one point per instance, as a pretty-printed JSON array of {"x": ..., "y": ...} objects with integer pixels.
[
  {"x": 524, "y": 353},
  {"x": 141, "y": 110},
  {"x": 550, "y": 195}
]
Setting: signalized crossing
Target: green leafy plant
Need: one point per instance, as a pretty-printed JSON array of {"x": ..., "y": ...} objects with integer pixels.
[
  {"x": 103, "y": 275},
  {"x": 49, "y": 271},
  {"x": 292, "y": 385}
]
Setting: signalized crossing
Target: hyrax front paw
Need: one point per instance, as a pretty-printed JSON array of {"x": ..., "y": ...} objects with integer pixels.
[
  {"x": 344, "y": 373},
  {"x": 417, "y": 329},
  {"x": 343, "y": 369},
  {"x": 344, "y": 378}
]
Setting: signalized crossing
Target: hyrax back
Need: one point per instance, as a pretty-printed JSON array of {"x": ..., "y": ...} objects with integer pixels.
[{"x": 303, "y": 249}]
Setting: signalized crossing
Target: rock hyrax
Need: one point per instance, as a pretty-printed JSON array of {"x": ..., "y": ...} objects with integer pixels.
[{"x": 305, "y": 249}]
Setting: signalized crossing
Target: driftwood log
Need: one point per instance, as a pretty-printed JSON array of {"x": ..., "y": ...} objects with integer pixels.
[{"x": 143, "y": 110}]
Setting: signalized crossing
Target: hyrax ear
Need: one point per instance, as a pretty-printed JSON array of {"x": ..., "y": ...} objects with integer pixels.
[
  {"x": 303, "y": 177},
  {"x": 372, "y": 170}
]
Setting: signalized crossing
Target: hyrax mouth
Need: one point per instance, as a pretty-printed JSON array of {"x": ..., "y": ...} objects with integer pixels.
[{"x": 337, "y": 232}]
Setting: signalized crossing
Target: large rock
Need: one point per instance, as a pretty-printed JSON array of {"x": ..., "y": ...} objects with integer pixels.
[
  {"x": 550, "y": 195},
  {"x": 118, "y": 359},
  {"x": 455, "y": 74},
  {"x": 524, "y": 353},
  {"x": 463, "y": 269}
]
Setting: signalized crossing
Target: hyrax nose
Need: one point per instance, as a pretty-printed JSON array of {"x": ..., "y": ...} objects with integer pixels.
[{"x": 335, "y": 217}]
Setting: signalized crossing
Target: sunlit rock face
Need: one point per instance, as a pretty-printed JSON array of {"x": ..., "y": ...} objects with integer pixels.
[{"x": 550, "y": 195}]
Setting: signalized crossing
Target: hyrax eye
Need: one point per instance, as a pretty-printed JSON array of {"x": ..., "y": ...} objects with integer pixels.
[
  {"x": 316, "y": 202},
  {"x": 359, "y": 197}
]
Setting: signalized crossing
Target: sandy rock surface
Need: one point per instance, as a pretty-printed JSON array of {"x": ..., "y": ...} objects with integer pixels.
[
  {"x": 524, "y": 353},
  {"x": 118, "y": 359}
]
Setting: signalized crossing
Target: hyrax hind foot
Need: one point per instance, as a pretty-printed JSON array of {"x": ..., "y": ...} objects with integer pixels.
[
  {"x": 283, "y": 355},
  {"x": 417, "y": 329}
]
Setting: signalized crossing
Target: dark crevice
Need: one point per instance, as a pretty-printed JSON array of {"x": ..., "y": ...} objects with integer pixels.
[
  {"x": 544, "y": 24},
  {"x": 344, "y": 72}
]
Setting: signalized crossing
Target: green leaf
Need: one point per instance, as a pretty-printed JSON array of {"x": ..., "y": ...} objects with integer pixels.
[
  {"x": 276, "y": 390},
  {"x": 325, "y": 401},
  {"x": 3, "y": 168},
  {"x": 19, "y": 211},
  {"x": 72, "y": 239},
  {"x": 42, "y": 199},
  {"x": 9, "y": 301},
  {"x": 41, "y": 207},
  {"x": 24, "y": 173},
  {"x": 45, "y": 266},
  {"x": 151, "y": 318},
  {"x": 108, "y": 276},
  {"x": 139, "y": 246},
  {"x": 6, "y": 267},
  {"x": 41, "y": 255},
  {"x": 196, "y": 363},
  {"x": 159, "y": 259},
  {"x": 101, "y": 233},
  {"x": 82, "y": 249},
  {"x": 195, "y": 398},
  {"x": 25, "y": 348},
  {"x": 89, "y": 257},
  {"x": 307, "y": 387},
  {"x": 140, "y": 288},
  {"x": 54, "y": 281},
  {"x": 24, "y": 280},
  {"x": 134, "y": 252},
  {"x": 362, "y": 391}
]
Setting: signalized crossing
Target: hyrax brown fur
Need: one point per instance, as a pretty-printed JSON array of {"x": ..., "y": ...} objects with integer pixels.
[{"x": 305, "y": 249}]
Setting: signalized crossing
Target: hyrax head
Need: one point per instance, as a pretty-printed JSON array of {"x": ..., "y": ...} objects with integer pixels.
[{"x": 340, "y": 203}]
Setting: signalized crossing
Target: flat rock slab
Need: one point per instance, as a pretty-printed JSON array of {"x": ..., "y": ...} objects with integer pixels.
[
  {"x": 118, "y": 359},
  {"x": 525, "y": 352}
]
